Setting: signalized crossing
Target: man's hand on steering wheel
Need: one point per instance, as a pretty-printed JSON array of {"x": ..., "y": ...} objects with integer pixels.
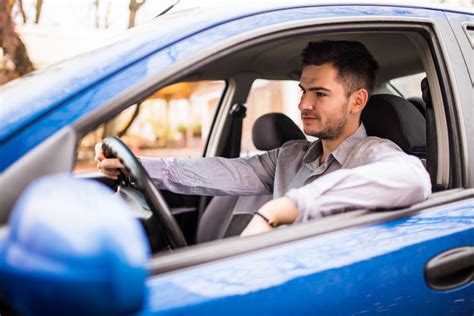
[
  {"x": 114, "y": 158},
  {"x": 109, "y": 167}
]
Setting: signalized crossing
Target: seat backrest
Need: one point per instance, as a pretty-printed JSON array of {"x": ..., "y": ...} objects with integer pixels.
[
  {"x": 394, "y": 118},
  {"x": 227, "y": 216},
  {"x": 419, "y": 104}
]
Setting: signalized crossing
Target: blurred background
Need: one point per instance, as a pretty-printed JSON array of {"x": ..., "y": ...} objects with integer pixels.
[{"x": 173, "y": 121}]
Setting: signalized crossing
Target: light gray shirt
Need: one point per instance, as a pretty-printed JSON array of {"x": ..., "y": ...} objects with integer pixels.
[{"x": 363, "y": 172}]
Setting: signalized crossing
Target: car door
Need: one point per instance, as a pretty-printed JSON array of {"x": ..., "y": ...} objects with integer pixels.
[
  {"x": 376, "y": 268},
  {"x": 417, "y": 260}
]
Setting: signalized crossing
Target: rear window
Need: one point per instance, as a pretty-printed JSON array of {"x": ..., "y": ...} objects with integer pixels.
[{"x": 408, "y": 86}]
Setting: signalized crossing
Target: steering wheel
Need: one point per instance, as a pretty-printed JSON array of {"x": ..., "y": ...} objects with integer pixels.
[{"x": 113, "y": 147}]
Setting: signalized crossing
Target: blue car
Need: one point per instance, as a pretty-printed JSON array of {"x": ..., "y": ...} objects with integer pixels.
[{"x": 70, "y": 245}]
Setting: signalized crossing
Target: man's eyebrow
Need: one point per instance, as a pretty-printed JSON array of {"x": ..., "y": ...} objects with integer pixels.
[{"x": 314, "y": 88}]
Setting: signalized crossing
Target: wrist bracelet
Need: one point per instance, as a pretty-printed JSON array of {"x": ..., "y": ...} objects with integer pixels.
[{"x": 272, "y": 224}]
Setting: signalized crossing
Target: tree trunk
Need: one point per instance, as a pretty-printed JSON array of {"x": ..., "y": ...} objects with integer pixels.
[
  {"x": 107, "y": 15},
  {"x": 133, "y": 7},
  {"x": 97, "y": 15},
  {"x": 15, "y": 61},
  {"x": 39, "y": 6},
  {"x": 22, "y": 10}
]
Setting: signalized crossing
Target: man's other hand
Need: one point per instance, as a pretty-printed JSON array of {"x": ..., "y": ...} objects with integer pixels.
[{"x": 278, "y": 212}]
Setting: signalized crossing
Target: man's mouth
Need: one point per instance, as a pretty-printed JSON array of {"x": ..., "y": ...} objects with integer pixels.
[{"x": 307, "y": 116}]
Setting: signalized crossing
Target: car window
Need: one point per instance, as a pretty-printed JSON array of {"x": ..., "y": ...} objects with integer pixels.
[
  {"x": 408, "y": 86},
  {"x": 269, "y": 96},
  {"x": 173, "y": 122}
]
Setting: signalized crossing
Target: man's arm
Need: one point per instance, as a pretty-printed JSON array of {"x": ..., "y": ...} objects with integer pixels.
[
  {"x": 204, "y": 176},
  {"x": 279, "y": 212},
  {"x": 394, "y": 179},
  {"x": 214, "y": 175},
  {"x": 398, "y": 180}
]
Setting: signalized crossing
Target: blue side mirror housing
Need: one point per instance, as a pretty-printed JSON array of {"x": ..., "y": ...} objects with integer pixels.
[{"x": 72, "y": 248}]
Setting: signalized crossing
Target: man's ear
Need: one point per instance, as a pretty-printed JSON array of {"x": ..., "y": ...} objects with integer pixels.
[{"x": 359, "y": 100}]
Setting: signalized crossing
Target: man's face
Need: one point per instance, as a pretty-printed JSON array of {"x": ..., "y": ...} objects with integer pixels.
[{"x": 324, "y": 105}]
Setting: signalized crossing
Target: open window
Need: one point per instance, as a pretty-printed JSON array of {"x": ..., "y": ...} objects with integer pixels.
[
  {"x": 262, "y": 75},
  {"x": 405, "y": 57}
]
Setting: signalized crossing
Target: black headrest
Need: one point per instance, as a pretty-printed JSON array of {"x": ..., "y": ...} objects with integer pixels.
[
  {"x": 419, "y": 104},
  {"x": 272, "y": 130},
  {"x": 392, "y": 117}
]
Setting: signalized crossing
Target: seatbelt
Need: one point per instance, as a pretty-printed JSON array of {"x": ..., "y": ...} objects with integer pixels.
[{"x": 237, "y": 114}]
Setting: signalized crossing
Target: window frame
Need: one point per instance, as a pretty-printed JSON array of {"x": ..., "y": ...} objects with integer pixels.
[
  {"x": 442, "y": 98},
  {"x": 465, "y": 27}
]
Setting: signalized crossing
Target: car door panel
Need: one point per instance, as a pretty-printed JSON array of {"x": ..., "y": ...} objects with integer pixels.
[{"x": 377, "y": 268}]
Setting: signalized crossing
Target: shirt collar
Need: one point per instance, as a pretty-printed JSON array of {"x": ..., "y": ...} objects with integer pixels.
[{"x": 341, "y": 152}]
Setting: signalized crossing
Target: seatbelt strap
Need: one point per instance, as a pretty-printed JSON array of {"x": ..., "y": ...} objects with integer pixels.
[{"x": 237, "y": 114}]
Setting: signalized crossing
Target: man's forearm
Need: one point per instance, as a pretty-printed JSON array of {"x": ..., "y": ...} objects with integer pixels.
[
  {"x": 280, "y": 211},
  {"x": 383, "y": 184},
  {"x": 277, "y": 212},
  {"x": 205, "y": 176}
]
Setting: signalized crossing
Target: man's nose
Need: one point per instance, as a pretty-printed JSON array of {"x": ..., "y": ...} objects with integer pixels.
[{"x": 305, "y": 103}]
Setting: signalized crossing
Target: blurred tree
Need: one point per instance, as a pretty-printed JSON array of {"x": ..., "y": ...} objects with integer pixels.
[
  {"x": 14, "y": 60},
  {"x": 39, "y": 6},
  {"x": 101, "y": 14},
  {"x": 107, "y": 15},
  {"x": 97, "y": 15},
  {"x": 22, "y": 10},
  {"x": 133, "y": 7}
]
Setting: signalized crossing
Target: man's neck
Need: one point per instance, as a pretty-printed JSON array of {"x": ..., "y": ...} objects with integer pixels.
[{"x": 329, "y": 145}]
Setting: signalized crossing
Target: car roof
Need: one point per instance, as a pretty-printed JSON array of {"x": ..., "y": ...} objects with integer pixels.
[{"x": 256, "y": 6}]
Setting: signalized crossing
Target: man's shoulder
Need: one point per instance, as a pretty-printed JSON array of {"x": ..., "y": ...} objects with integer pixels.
[
  {"x": 378, "y": 143},
  {"x": 372, "y": 149},
  {"x": 299, "y": 144}
]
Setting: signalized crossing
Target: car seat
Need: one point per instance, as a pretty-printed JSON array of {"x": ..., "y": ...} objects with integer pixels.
[
  {"x": 419, "y": 104},
  {"x": 394, "y": 118},
  {"x": 227, "y": 216}
]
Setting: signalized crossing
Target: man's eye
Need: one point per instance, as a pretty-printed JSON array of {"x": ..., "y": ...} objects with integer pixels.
[{"x": 320, "y": 94}]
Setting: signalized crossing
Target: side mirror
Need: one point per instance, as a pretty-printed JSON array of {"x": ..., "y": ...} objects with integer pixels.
[{"x": 72, "y": 248}]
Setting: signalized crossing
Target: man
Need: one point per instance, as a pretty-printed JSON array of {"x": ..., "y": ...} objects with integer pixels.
[{"x": 344, "y": 169}]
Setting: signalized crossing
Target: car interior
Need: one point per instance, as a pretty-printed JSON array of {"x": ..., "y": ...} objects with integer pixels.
[
  {"x": 408, "y": 121},
  {"x": 418, "y": 124}
]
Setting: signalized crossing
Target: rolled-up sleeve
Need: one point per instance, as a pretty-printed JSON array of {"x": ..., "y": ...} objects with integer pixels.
[
  {"x": 214, "y": 176},
  {"x": 392, "y": 179}
]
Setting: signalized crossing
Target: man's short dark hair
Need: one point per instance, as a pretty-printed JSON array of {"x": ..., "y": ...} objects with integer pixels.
[{"x": 356, "y": 67}]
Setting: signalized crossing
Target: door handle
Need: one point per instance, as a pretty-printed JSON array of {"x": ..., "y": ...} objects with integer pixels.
[{"x": 450, "y": 269}]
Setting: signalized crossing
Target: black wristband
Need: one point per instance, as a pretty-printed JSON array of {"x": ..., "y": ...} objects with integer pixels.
[{"x": 266, "y": 219}]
